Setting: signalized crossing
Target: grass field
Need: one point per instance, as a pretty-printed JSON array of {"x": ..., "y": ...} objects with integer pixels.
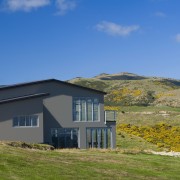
[
  {"x": 149, "y": 108},
  {"x": 18, "y": 163},
  {"x": 144, "y": 116},
  {"x": 133, "y": 143},
  {"x": 150, "y": 115}
]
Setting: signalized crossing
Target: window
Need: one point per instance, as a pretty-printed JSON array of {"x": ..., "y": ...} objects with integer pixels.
[
  {"x": 95, "y": 110},
  {"x": 99, "y": 138},
  {"x": 89, "y": 110},
  {"x": 26, "y": 121},
  {"x": 65, "y": 137},
  {"x": 85, "y": 109}
]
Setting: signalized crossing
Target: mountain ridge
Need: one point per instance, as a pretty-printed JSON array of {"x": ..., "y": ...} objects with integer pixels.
[
  {"x": 104, "y": 75},
  {"x": 132, "y": 89}
]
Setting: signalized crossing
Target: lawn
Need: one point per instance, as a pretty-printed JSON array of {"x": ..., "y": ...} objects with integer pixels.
[{"x": 18, "y": 163}]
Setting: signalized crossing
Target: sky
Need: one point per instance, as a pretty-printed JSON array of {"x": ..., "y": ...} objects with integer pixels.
[{"x": 64, "y": 39}]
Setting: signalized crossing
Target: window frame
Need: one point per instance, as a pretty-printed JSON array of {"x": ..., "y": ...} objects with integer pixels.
[
  {"x": 80, "y": 99},
  {"x": 28, "y": 118}
]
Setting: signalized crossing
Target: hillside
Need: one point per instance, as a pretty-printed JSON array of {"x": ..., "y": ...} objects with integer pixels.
[
  {"x": 128, "y": 89},
  {"x": 25, "y": 163}
]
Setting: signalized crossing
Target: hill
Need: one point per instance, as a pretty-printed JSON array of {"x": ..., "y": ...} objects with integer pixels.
[{"x": 128, "y": 89}]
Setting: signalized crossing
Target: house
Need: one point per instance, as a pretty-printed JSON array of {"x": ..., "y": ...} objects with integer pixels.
[{"x": 58, "y": 113}]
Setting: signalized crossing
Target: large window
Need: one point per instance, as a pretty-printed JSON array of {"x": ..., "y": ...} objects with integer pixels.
[
  {"x": 99, "y": 138},
  {"x": 26, "y": 121},
  {"x": 65, "y": 137},
  {"x": 85, "y": 109}
]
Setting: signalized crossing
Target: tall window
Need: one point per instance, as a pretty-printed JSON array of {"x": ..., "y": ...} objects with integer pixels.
[
  {"x": 26, "y": 121},
  {"x": 89, "y": 110},
  {"x": 99, "y": 137},
  {"x": 85, "y": 109}
]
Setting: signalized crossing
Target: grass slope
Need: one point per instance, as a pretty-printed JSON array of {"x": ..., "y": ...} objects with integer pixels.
[
  {"x": 149, "y": 116},
  {"x": 146, "y": 117},
  {"x": 18, "y": 163},
  {"x": 131, "y": 143}
]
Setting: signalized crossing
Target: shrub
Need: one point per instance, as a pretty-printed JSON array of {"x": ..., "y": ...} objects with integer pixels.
[
  {"x": 30, "y": 145},
  {"x": 163, "y": 135}
]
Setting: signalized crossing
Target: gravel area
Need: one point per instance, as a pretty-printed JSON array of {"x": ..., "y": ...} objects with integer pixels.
[{"x": 174, "y": 154}]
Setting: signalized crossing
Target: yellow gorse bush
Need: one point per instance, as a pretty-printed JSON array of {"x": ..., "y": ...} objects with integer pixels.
[
  {"x": 163, "y": 135},
  {"x": 137, "y": 92},
  {"x": 159, "y": 95},
  {"x": 112, "y": 108},
  {"x": 120, "y": 95}
]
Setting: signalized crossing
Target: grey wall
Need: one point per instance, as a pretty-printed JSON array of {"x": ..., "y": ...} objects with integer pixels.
[
  {"x": 58, "y": 111},
  {"x": 25, "y": 107}
]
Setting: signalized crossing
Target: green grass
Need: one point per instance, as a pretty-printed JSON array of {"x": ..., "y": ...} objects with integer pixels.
[
  {"x": 136, "y": 115},
  {"x": 128, "y": 142},
  {"x": 149, "y": 108},
  {"x": 18, "y": 163},
  {"x": 149, "y": 120}
]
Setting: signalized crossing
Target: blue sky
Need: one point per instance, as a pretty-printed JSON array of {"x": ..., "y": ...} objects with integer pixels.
[{"x": 63, "y": 39}]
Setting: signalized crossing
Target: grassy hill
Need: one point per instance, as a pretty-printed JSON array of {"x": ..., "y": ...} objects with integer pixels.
[
  {"x": 144, "y": 103},
  {"x": 127, "y": 89},
  {"x": 24, "y": 163}
]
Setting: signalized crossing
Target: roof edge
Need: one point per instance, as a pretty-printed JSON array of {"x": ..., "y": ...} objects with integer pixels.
[
  {"x": 49, "y": 80},
  {"x": 18, "y": 98}
]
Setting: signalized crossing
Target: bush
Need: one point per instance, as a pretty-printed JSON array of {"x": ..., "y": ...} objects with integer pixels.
[
  {"x": 30, "y": 145},
  {"x": 163, "y": 135}
]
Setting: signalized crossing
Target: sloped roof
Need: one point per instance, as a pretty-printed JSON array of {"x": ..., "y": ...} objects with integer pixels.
[
  {"x": 29, "y": 96},
  {"x": 45, "y": 81}
]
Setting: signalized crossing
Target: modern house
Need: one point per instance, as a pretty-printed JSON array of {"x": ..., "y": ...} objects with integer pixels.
[{"x": 58, "y": 113}]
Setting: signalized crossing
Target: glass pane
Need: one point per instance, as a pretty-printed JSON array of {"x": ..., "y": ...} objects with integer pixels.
[
  {"x": 28, "y": 121},
  {"x": 109, "y": 138},
  {"x": 15, "y": 122},
  {"x": 96, "y": 110},
  {"x": 74, "y": 138},
  {"x": 83, "y": 110},
  {"x": 102, "y": 138},
  {"x": 95, "y": 138},
  {"x": 65, "y": 138},
  {"x": 98, "y": 137},
  {"x": 110, "y": 115},
  {"x": 22, "y": 121},
  {"x": 76, "y": 109},
  {"x": 34, "y": 120},
  {"x": 61, "y": 131},
  {"x": 89, "y": 110},
  {"x": 53, "y": 131},
  {"x": 88, "y": 138}
]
